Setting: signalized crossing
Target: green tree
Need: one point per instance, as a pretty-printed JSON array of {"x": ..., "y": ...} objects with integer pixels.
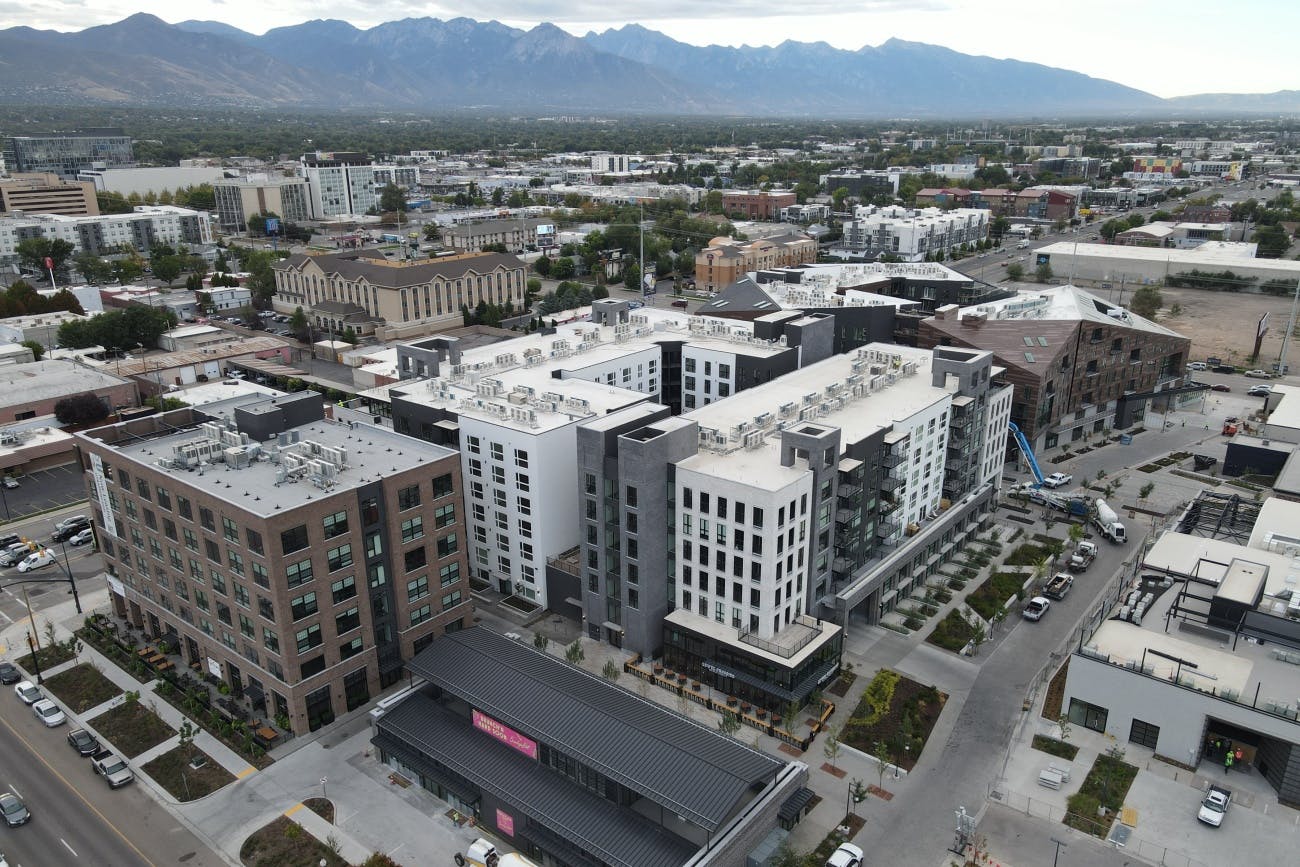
[
  {"x": 832, "y": 748},
  {"x": 563, "y": 268},
  {"x": 37, "y": 348},
  {"x": 93, "y": 268},
  {"x": 1043, "y": 273},
  {"x": 543, "y": 266},
  {"x": 32, "y": 253},
  {"x": 392, "y": 199},
  {"x": 1146, "y": 301},
  {"x": 1015, "y": 272},
  {"x": 79, "y": 409},
  {"x": 1145, "y": 491},
  {"x": 350, "y": 336},
  {"x": 167, "y": 268},
  {"x": 838, "y": 196},
  {"x": 540, "y": 641},
  {"x": 729, "y": 723},
  {"x": 299, "y": 324},
  {"x": 127, "y": 270},
  {"x": 1273, "y": 241},
  {"x": 112, "y": 203},
  {"x": 432, "y": 232}
]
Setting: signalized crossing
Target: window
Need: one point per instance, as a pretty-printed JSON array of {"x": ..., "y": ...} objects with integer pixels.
[
  {"x": 450, "y": 600},
  {"x": 352, "y": 648},
  {"x": 183, "y": 506},
  {"x": 123, "y": 479},
  {"x": 207, "y": 519},
  {"x": 449, "y": 574},
  {"x": 312, "y": 667},
  {"x": 474, "y": 444},
  {"x": 308, "y": 638},
  {"x": 376, "y": 575},
  {"x": 303, "y": 606},
  {"x": 241, "y": 594},
  {"x": 444, "y": 516},
  {"x": 416, "y": 558},
  {"x": 1090, "y": 716},
  {"x": 260, "y": 575},
  {"x": 343, "y": 589},
  {"x": 246, "y": 627},
  {"x": 213, "y": 550},
  {"x": 417, "y": 588},
  {"x": 521, "y": 459},
  {"x": 229, "y": 530},
  {"x": 1144, "y": 734},
  {"x": 348, "y": 620},
  {"x": 294, "y": 539},
  {"x": 369, "y": 511},
  {"x": 335, "y": 524},
  {"x": 447, "y": 546},
  {"x": 442, "y": 485},
  {"x": 339, "y": 558},
  {"x": 421, "y": 614},
  {"x": 408, "y": 498},
  {"x": 191, "y": 540},
  {"x": 254, "y": 540},
  {"x": 270, "y": 640},
  {"x": 374, "y": 545},
  {"x": 298, "y": 573},
  {"x": 412, "y": 528},
  {"x": 143, "y": 488},
  {"x": 169, "y": 529}
]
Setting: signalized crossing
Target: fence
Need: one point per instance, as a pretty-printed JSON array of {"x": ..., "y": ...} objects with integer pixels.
[{"x": 1152, "y": 853}]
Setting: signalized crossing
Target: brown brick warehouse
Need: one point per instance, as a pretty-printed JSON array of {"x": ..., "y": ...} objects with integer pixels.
[{"x": 299, "y": 560}]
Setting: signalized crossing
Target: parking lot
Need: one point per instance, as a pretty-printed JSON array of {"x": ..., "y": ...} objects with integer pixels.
[{"x": 44, "y": 490}]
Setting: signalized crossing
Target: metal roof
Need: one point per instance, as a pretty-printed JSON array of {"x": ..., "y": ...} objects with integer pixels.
[
  {"x": 688, "y": 768},
  {"x": 617, "y": 835}
]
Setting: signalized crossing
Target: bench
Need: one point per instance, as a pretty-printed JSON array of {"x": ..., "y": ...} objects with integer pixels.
[
  {"x": 1063, "y": 771},
  {"x": 164, "y": 666},
  {"x": 1049, "y": 779}
]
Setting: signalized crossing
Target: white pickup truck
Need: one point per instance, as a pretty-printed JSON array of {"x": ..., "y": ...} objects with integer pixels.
[
  {"x": 112, "y": 767},
  {"x": 1215, "y": 806}
]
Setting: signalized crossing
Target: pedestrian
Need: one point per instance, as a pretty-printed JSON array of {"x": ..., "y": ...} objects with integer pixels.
[
  {"x": 1239, "y": 756},
  {"x": 1227, "y": 762}
]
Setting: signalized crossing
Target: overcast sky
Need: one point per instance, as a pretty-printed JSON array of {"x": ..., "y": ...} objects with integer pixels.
[{"x": 1165, "y": 47}]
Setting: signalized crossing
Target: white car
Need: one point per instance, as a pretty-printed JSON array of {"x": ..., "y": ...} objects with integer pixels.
[
  {"x": 1035, "y": 608},
  {"x": 1260, "y": 390},
  {"x": 39, "y": 560},
  {"x": 1057, "y": 480},
  {"x": 28, "y": 692},
  {"x": 847, "y": 855},
  {"x": 48, "y": 712},
  {"x": 1197, "y": 365},
  {"x": 1259, "y": 374}
]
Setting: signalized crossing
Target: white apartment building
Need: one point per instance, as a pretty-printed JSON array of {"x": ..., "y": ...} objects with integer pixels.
[
  {"x": 102, "y": 234},
  {"x": 911, "y": 234},
  {"x": 339, "y": 184}
]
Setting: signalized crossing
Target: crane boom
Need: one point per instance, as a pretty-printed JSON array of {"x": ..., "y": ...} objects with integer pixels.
[{"x": 1023, "y": 442}]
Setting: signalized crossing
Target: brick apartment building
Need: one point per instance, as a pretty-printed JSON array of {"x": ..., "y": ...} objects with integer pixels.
[
  {"x": 302, "y": 561},
  {"x": 757, "y": 204},
  {"x": 725, "y": 261}
]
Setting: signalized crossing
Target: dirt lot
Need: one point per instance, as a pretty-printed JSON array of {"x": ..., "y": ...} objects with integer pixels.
[{"x": 1223, "y": 323}]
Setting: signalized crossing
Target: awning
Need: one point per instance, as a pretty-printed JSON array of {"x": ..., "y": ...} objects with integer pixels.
[{"x": 795, "y": 804}]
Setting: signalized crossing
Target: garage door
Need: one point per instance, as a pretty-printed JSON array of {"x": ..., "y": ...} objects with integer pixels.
[{"x": 1144, "y": 734}]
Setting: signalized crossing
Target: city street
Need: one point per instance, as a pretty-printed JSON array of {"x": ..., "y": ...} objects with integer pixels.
[{"x": 47, "y": 586}]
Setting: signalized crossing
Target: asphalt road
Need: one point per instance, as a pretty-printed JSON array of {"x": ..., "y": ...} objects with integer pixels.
[{"x": 46, "y": 586}]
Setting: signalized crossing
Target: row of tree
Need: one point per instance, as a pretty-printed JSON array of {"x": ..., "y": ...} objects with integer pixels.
[{"x": 119, "y": 330}]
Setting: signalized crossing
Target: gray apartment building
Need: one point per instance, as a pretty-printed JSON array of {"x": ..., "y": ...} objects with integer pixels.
[
  {"x": 67, "y": 153},
  {"x": 302, "y": 561}
]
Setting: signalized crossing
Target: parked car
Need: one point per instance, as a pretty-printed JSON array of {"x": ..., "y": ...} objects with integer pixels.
[
  {"x": 680, "y": 302},
  {"x": 1197, "y": 365},
  {"x": 65, "y": 530},
  {"x": 1224, "y": 368},
  {"x": 1218, "y": 386},
  {"x": 14, "y": 810},
  {"x": 48, "y": 712},
  {"x": 1036, "y": 608},
  {"x": 1057, "y": 480},
  {"x": 9, "y": 673},
  {"x": 1260, "y": 390},
  {"x": 847, "y": 855},
  {"x": 39, "y": 560},
  {"x": 9, "y": 539},
  {"x": 28, "y": 692},
  {"x": 83, "y": 742},
  {"x": 14, "y": 554},
  {"x": 83, "y": 537},
  {"x": 1259, "y": 374},
  {"x": 10, "y": 482},
  {"x": 112, "y": 768},
  {"x": 74, "y": 521}
]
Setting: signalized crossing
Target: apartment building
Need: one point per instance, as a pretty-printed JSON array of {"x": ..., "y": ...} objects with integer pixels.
[
  {"x": 1197, "y": 650},
  {"x": 102, "y": 234},
  {"x": 46, "y": 193},
  {"x": 517, "y": 235},
  {"x": 66, "y": 154},
  {"x": 237, "y": 201},
  {"x": 724, "y": 260},
  {"x": 833, "y": 491},
  {"x": 911, "y": 235},
  {"x": 1080, "y": 365},
  {"x": 863, "y": 184},
  {"x": 514, "y": 409},
  {"x": 394, "y": 299},
  {"x": 339, "y": 184},
  {"x": 757, "y": 204},
  {"x": 302, "y": 561},
  {"x": 406, "y": 177}
]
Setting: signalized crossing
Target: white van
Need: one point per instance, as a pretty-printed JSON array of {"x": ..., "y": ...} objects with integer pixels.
[
  {"x": 39, "y": 560},
  {"x": 1197, "y": 365}
]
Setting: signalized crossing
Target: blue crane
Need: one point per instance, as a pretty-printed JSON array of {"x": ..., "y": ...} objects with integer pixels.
[{"x": 1023, "y": 442}]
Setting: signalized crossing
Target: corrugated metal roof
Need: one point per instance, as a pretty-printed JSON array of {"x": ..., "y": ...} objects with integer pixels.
[
  {"x": 670, "y": 759},
  {"x": 617, "y": 835}
]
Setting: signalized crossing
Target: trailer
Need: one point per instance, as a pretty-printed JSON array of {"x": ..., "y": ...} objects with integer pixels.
[{"x": 1058, "y": 586}]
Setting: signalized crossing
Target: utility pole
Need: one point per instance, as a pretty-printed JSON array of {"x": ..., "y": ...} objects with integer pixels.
[{"x": 1290, "y": 328}]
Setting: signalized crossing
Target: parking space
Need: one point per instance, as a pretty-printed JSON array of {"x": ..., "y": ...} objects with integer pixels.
[{"x": 43, "y": 490}]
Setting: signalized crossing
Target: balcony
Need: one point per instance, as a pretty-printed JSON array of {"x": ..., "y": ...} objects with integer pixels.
[
  {"x": 891, "y": 458},
  {"x": 890, "y": 483}
]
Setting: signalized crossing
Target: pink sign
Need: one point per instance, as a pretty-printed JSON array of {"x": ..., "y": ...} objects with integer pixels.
[
  {"x": 505, "y": 734},
  {"x": 505, "y": 823}
]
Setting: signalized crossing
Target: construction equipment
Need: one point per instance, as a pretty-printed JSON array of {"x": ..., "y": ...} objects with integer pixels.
[
  {"x": 1107, "y": 522},
  {"x": 482, "y": 853},
  {"x": 1023, "y": 442}
]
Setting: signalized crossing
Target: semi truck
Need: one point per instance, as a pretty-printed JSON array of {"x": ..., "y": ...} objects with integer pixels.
[{"x": 1108, "y": 524}]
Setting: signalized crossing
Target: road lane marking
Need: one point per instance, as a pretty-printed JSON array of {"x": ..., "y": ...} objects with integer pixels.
[
  {"x": 17, "y": 793},
  {"x": 69, "y": 848},
  {"x": 40, "y": 758},
  {"x": 295, "y": 808}
]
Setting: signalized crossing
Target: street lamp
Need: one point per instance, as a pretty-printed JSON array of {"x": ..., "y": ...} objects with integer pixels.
[
  {"x": 854, "y": 796},
  {"x": 36, "y": 662},
  {"x": 1060, "y": 844}
]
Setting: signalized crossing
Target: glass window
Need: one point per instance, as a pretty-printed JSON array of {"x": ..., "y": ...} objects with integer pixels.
[
  {"x": 207, "y": 519},
  {"x": 408, "y": 498},
  {"x": 298, "y": 573},
  {"x": 417, "y": 588},
  {"x": 369, "y": 511},
  {"x": 229, "y": 530},
  {"x": 183, "y": 506},
  {"x": 447, "y": 546},
  {"x": 339, "y": 558},
  {"x": 442, "y": 486},
  {"x": 336, "y": 524},
  {"x": 416, "y": 558},
  {"x": 308, "y": 638},
  {"x": 347, "y": 621},
  {"x": 303, "y": 606},
  {"x": 412, "y": 528},
  {"x": 449, "y": 574},
  {"x": 260, "y": 575},
  {"x": 294, "y": 539},
  {"x": 343, "y": 589},
  {"x": 444, "y": 516},
  {"x": 421, "y": 614},
  {"x": 254, "y": 541}
]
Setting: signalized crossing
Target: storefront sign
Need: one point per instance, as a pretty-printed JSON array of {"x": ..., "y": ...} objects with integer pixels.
[
  {"x": 505, "y": 734},
  {"x": 505, "y": 823}
]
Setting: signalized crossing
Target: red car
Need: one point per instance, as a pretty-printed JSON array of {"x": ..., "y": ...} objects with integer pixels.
[
  {"x": 1218, "y": 386},
  {"x": 680, "y": 302}
]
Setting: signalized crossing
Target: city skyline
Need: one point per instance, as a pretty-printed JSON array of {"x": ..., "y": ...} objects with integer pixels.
[{"x": 1150, "y": 57}]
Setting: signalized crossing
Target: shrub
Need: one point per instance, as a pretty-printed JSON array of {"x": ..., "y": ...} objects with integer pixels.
[{"x": 879, "y": 693}]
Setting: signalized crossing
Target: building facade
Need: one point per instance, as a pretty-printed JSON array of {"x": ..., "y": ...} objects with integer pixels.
[
  {"x": 339, "y": 184},
  {"x": 103, "y": 234},
  {"x": 32, "y": 390},
  {"x": 912, "y": 235},
  {"x": 724, "y": 260},
  {"x": 517, "y": 235},
  {"x": 757, "y": 204},
  {"x": 46, "y": 193},
  {"x": 395, "y": 299},
  {"x": 306, "y": 574},
  {"x": 155, "y": 179},
  {"x": 237, "y": 201},
  {"x": 67, "y": 154}
]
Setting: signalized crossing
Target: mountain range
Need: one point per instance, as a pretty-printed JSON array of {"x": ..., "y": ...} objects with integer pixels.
[{"x": 463, "y": 64}]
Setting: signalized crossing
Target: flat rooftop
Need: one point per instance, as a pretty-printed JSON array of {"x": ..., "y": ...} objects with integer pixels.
[
  {"x": 1287, "y": 411},
  {"x": 788, "y": 648},
  {"x": 860, "y": 393},
  {"x": 1225, "y": 254},
  {"x": 225, "y": 389},
  {"x": 47, "y": 380},
  {"x": 262, "y": 487}
]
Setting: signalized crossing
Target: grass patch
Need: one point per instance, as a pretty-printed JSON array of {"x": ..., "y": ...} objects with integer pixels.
[
  {"x": 896, "y": 711},
  {"x": 1148, "y": 468},
  {"x": 283, "y": 843},
  {"x": 1026, "y": 555},
  {"x": 322, "y": 807},
  {"x": 994, "y": 593},
  {"x": 1106, "y": 786},
  {"x": 49, "y": 656},
  {"x": 132, "y": 728},
  {"x": 951, "y": 633},
  {"x": 171, "y": 770},
  {"x": 82, "y": 687},
  {"x": 1053, "y": 747}
]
